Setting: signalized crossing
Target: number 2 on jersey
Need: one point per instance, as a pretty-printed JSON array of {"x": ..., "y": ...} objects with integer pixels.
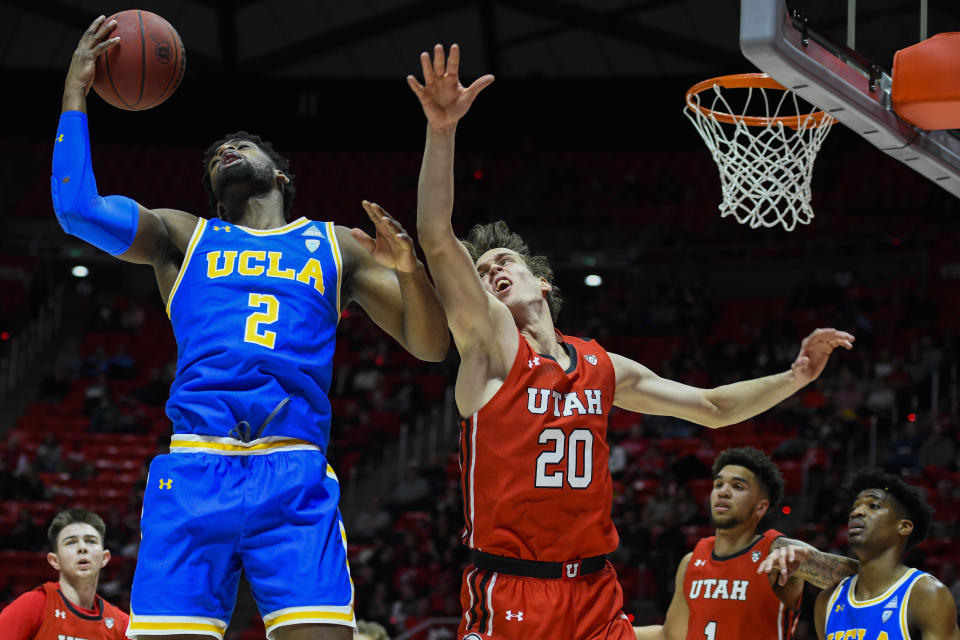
[
  {"x": 269, "y": 315},
  {"x": 579, "y": 470}
]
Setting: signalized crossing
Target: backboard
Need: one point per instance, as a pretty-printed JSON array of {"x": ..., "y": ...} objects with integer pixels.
[{"x": 814, "y": 63}]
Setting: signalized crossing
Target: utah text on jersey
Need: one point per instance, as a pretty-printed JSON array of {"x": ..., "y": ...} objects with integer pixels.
[
  {"x": 717, "y": 589},
  {"x": 564, "y": 404}
]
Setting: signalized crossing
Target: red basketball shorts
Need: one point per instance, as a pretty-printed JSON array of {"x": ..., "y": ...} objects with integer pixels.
[{"x": 499, "y": 606}]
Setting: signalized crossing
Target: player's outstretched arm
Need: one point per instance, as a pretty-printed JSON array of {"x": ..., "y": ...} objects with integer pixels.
[
  {"x": 932, "y": 610},
  {"x": 444, "y": 101},
  {"x": 115, "y": 224},
  {"x": 791, "y": 562},
  {"x": 391, "y": 285},
  {"x": 639, "y": 389}
]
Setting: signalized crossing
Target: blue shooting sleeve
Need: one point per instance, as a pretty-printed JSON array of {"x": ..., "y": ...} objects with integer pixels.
[{"x": 108, "y": 223}]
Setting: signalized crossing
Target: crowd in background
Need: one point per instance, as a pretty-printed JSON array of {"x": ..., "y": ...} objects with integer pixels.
[{"x": 102, "y": 394}]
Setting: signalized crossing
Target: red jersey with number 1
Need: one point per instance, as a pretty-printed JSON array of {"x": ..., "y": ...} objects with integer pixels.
[
  {"x": 729, "y": 600},
  {"x": 533, "y": 459}
]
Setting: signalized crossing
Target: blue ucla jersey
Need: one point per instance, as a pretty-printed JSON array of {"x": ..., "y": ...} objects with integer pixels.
[
  {"x": 255, "y": 314},
  {"x": 881, "y": 618}
]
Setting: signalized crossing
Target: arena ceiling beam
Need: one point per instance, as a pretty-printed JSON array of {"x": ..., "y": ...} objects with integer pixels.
[
  {"x": 579, "y": 17},
  {"x": 348, "y": 34},
  {"x": 75, "y": 16}
]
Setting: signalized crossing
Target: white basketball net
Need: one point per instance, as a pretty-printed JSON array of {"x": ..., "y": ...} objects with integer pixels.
[{"x": 765, "y": 171}]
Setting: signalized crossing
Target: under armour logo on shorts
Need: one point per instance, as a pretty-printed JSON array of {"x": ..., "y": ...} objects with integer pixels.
[
  {"x": 518, "y": 615},
  {"x": 166, "y": 484}
]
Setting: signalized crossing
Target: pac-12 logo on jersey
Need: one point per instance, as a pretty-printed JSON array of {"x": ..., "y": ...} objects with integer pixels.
[
  {"x": 313, "y": 243},
  {"x": 755, "y": 556},
  {"x": 592, "y": 359}
]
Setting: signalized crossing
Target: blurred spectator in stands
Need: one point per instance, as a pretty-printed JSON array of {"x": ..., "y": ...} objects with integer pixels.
[
  {"x": 104, "y": 416},
  {"x": 407, "y": 397},
  {"x": 132, "y": 317},
  {"x": 370, "y": 522},
  {"x": 938, "y": 450},
  {"x": 813, "y": 397},
  {"x": 156, "y": 390},
  {"x": 24, "y": 535},
  {"x": 848, "y": 398},
  {"x": 94, "y": 393},
  {"x": 410, "y": 493},
  {"x": 617, "y": 462},
  {"x": 28, "y": 486},
  {"x": 660, "y": 509},
  {"x": 367, "y": 374},
  {"x": 7, "y": 481},
  {"x": 96, "y": 364},
  {"x": 48, "y": 457},
  {"x": 69, "y": 360},
  {"x": 881, "y": 399},
  {"x": 121, "y": 365},
  {"x": 434, "y": 473},
  {"x": 905, "y": 450},
  {"x": 686, "y": 507},
  {"x": 54, "y": 385},
  {"x": 370, "y": 631}
]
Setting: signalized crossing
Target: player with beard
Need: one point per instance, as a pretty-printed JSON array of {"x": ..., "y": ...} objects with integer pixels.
[
  {"x": 254, "y": 301},
  {"x": 885, "y": 599},
  {"x": 535, "y": 402},
  {"x": 717, "y": 594},
  {"x": 69, "y": 607}
]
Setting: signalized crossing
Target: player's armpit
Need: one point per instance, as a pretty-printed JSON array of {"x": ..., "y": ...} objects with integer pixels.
[
  {"x": 675, "y": 624},
  {"x": 161, "y": 234},
  {"x": 820, "y": 611},
  {"x": 932, "y": 610}
]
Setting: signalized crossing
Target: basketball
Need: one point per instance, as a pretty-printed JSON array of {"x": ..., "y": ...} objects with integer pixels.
[{"x": 145, "y": 67}]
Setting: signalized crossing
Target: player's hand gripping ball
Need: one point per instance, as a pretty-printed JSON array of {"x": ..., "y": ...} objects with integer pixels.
[{"x": 145, "y": 67}]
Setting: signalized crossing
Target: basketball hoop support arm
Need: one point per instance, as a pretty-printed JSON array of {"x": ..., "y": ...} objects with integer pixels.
[{"x": 814, "y": 69}]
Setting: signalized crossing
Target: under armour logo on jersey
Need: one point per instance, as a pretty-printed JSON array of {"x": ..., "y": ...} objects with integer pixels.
[
  {"x": 755, "y": 556},
  {"x": 313, "y": 243},
  {"x": 59, "y": 613},
  {"x": 225, "y": 228},
  {"x": 838, "y": 609},
  {"x": 886, "y": 615},
  {"x": 533, "y": 362},
  {"x": 699, "y": 563},
  {"x": 166, "y": 484},
  {"x": 592, "y": 359},
  {"x": 518, "y": 615},
  {"x": 60, "y": 138}
]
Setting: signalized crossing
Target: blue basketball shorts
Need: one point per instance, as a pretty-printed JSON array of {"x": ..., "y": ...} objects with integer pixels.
[{"x": 211, "y": 513}]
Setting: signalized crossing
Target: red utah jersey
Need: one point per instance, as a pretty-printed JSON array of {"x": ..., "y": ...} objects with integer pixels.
[
  {"x": 533, "y": 459},
  {"x": 729, "y": 600},
  {"x": 63, "y": 619}
]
